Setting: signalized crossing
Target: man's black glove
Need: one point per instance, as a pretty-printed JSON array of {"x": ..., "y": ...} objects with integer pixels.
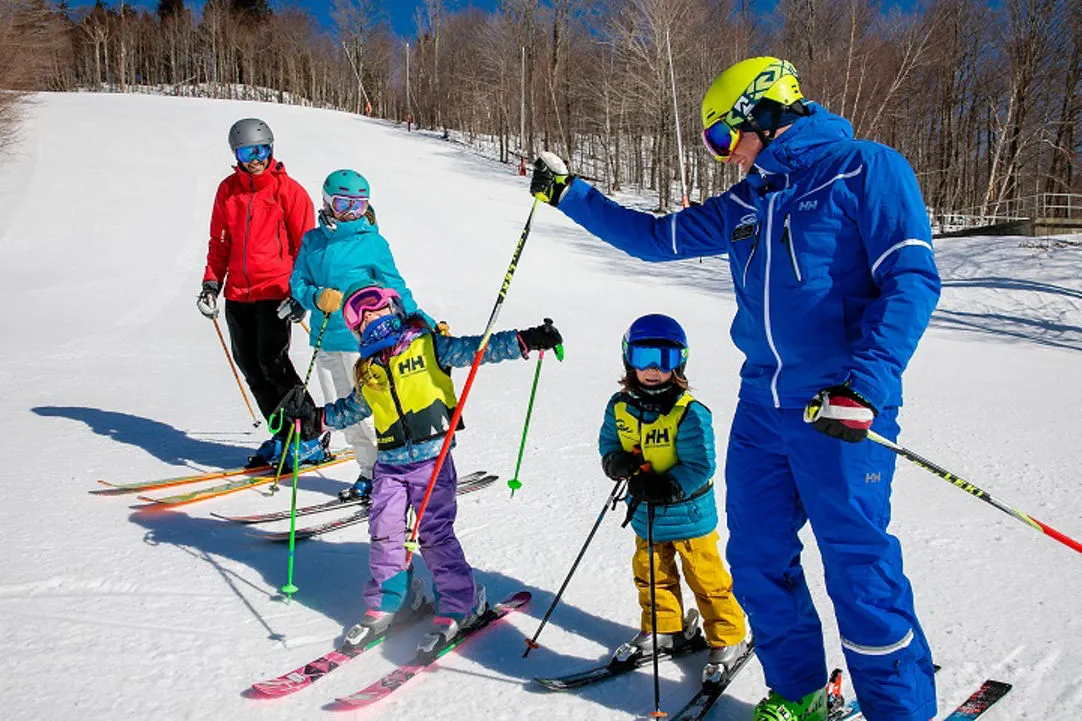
[
  {"x": 291, "y": 309},
  {"x": 619, "y": 465},
  {"x": 207, "y": 300},
  {"x": 656, "y": 488},
  {"x": 540, "y": 337},
  {"x": 550, "y": 178},
  {"x": 840, "y": 413}
]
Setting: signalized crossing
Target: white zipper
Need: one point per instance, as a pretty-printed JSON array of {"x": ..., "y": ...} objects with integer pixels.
[
  {"x": 766, "y": 302},
  {"x": 788, "y": 238}
]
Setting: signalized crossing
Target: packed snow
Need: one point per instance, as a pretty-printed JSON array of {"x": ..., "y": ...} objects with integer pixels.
[{"x": 109, "y": 372}]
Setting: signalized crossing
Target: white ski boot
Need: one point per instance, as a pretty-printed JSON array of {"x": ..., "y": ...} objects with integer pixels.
[{"x": 642, "y": 646}]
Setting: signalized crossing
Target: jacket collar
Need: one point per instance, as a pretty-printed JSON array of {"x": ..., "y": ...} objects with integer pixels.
[
  {"x": 261, "y": 181},
  {"x": 802, "y": 146}
]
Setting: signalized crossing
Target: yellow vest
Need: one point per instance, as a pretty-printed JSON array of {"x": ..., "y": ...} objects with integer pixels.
[
  {"x": 411, "y": 397},
  {"x": 656, "y": 439}
]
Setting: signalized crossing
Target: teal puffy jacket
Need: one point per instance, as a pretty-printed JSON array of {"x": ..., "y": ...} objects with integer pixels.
[
  {"x": 687, "y": 519},
  {"x": 344, "y": 256}
]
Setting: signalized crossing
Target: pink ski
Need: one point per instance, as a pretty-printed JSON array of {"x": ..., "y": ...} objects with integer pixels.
[{"x": 395, "y": 679}]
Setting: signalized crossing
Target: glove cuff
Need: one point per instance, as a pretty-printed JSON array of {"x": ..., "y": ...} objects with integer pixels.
[{"x": 212, "y": 286}]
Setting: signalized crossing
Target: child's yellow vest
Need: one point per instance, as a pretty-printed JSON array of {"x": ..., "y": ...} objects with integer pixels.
[{"x": 411, "y": 397}]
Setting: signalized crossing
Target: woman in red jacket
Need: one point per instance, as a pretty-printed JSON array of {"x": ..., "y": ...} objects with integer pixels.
[{"x": 260, "y": 215}]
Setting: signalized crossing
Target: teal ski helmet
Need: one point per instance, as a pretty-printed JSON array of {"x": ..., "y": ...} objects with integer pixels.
[{"x": 345, "y": 194}]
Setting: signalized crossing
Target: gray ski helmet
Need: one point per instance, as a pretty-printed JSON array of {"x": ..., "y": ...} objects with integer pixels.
[{"x": 250, "y": 131}]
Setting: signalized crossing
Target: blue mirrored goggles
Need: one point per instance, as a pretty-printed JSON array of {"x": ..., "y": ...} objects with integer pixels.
[
  {"x": 664, "y": 358},
  {"x": 248, "y": 153}
]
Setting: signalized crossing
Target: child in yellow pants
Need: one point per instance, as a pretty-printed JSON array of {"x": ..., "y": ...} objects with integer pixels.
[{"x": 658, "y": 437}]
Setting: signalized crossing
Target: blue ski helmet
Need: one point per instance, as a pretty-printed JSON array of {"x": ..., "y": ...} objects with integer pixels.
[
  {"x": 655, "y": 340},
  {"x": 346, "y": 194}
]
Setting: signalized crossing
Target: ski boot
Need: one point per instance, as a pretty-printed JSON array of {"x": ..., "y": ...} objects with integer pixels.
[
  {"x": 642, "y": 646},
  {"x": 361, "y": 489},
  {"x": 312, "y": 452},
  {"x": 268, "y": 453},
  {"x": 812, "y": 707},
  {"x": 719, "y": 662},
  {"x": 444, "y": 629},
  {"x": 377, "y": 623}
]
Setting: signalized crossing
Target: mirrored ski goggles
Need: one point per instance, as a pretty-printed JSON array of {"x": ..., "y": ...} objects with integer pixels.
[
  {"x": 664, "y": 358},
  {"x": 721, "y": 139},
  {"x": 346, "y": 205},
  {"x": 248, "y": 153},
  {"x": 366, "y": 299}
]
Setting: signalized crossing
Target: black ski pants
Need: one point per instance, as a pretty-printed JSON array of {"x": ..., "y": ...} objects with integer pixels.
[{"x": 260, "y": 341}]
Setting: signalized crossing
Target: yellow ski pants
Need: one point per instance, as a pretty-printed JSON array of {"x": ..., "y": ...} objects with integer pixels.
[{"x": 723, "y": 619}]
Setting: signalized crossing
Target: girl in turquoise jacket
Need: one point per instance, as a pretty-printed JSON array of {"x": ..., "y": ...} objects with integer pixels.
[{"x": 346, "y": 251}]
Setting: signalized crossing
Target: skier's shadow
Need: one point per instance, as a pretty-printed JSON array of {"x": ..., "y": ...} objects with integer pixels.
[
  {"x": 331, "y": 579},
  {"x": 161, "y": 440}
]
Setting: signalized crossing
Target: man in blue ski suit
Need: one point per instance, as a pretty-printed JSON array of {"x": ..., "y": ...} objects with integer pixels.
[{"x": 830, "y": 250}]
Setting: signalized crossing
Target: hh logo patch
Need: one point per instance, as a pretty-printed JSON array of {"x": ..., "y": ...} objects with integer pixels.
[
  {"x": 411, "y": 365},
  {"x": 809, "y": 204},
  {"x": 657, "y": 437},
  {"x": 872, "y": 478}
]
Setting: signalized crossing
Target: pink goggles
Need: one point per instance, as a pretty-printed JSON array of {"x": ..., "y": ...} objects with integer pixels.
[
  {"x": 344, "y": 205},
  {"x": 370, "y": 298}
]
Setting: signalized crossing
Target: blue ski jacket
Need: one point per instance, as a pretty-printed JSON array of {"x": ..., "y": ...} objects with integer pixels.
[
  {"x": 344, "y": 256},
  {"x": 831, "y": 255},
  {"x": 691, "y": 518}
]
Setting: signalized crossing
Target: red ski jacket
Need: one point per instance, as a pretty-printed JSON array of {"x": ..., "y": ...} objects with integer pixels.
[{"x": 255, "y": 233}]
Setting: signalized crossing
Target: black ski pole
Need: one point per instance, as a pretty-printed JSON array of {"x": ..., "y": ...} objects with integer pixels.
[
  {"x": 658, "y": 713},
  {"x": 617, "y": 491}
]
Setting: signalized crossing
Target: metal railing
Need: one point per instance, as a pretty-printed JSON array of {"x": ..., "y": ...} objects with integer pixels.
[{"x": 1066, "y": 206}]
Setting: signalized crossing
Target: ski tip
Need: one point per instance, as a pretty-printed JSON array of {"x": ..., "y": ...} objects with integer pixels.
[{"x": 521, "y": 598}]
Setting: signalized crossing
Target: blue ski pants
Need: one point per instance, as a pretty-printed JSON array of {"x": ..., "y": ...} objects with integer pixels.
[{"x": 781, "y": 473}]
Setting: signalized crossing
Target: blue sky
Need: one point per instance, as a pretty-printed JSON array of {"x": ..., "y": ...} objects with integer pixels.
[{"x": 401, "y": 12}]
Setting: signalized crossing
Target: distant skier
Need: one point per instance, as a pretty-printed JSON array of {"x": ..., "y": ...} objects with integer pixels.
[
  {"x": 831, "y": 257},
  {"x": 654, "y": 420},
  {"x": 345, "y": 251},
  {"x": 403, "y": 381},
  {"x": 260, "y": 215}
]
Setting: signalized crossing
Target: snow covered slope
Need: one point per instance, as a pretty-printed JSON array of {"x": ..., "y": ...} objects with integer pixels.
[{"x": 108, "y": 371}]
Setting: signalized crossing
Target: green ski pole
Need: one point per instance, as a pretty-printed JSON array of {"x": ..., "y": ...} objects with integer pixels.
[
  {"x": 514, "y": 483},
  {"x": 289, "y": 589}
]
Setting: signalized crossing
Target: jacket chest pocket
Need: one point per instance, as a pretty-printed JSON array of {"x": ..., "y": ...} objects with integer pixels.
[
  {"x": 790, "y": 245},
  {"x": 272, "y": 221}
]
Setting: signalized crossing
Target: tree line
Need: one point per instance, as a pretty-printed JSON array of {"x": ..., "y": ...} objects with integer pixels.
[{"x": 984, "y": 99}]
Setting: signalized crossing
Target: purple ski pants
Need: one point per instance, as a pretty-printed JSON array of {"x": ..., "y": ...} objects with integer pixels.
[{"x": 394, "y": 489}]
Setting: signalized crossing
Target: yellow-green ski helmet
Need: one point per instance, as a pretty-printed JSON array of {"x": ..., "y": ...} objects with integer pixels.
[{"x": 734, "y": 95}]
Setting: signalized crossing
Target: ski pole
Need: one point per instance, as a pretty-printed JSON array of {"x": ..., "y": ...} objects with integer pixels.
[
  {"x": 289, "y": 589},
  {"x": 221, "y": 339},
  {"x": 278, "y": 423},
  {"x": 514, "y": 483},
  {"x": 975, "y": 491},
  {"x": 611, "y": 501},
  {"x": 411, "y": 544},
  {"x": 657, "y": 712}
]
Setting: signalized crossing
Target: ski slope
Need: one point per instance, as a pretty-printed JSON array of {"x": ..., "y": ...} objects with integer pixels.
[{"x": 108, "y": 371}]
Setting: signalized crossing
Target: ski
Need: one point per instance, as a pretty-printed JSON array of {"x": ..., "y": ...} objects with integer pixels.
[
  {"x": 309, "y": 673},
  {"x": 233, "y": 486},
  {"x": 361, "y": 516},
  {"x": 699, "y": 706},
  {"x": 396, "y": 679},
  {"x": 613, "y": 668},
  {"x": 119, "y": 489},
  {"x": 330, "y": 505},
  {"x": 980, "y": 701}
]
